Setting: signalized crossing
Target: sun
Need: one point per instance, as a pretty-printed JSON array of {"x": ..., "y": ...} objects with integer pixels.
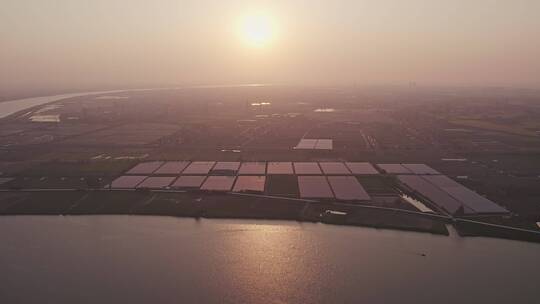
[{"x": 257, "y": 30}]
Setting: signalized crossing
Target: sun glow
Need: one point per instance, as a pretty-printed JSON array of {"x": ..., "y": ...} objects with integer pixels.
[{"x": 257, "y": 30}]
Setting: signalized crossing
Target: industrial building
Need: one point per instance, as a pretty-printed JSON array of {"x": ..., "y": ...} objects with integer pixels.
[{"x": 311, "y": 180}]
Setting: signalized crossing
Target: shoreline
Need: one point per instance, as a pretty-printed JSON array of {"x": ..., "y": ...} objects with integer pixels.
[{"x": 223, "y": 206}]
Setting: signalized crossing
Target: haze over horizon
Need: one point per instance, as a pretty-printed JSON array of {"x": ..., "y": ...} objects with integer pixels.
[{"x": 123, "y": 43}]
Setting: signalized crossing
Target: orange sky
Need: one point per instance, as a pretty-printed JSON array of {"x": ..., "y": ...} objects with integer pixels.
[{"x": 122, "y": 43}]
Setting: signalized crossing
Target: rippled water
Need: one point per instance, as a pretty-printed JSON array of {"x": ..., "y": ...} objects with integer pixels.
[{"x": 129, "y": 259}]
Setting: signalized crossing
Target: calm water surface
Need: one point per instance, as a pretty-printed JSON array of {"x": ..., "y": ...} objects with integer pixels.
[{"x": 130, "y": 259}]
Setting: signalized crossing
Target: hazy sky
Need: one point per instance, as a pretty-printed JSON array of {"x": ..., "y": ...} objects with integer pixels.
[{"x": 63, "y": 43}]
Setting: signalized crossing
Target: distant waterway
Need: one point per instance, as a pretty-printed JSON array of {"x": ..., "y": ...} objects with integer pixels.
[
  {"x": 13, "y": 106},
  {"x": 135, "y": 259}
]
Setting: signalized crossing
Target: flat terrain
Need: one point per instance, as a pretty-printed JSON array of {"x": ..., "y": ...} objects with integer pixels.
[{"x": 488, "y": 141}]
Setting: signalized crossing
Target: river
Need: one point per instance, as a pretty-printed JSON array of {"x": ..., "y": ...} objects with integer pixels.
[
  {"x": 136, "y": 259},
  {"x": 13, "y": 106}
]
